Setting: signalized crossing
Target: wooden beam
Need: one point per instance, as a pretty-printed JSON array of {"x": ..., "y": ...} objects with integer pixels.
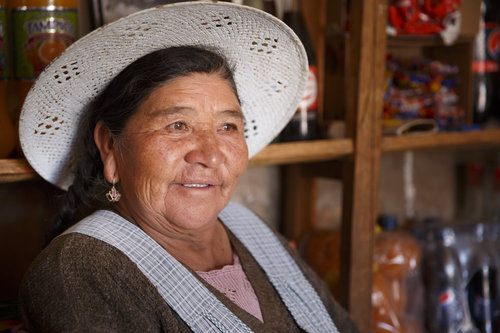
[
  {"x": 299, "y": 196},
  {"x": 365, "y": 74}
]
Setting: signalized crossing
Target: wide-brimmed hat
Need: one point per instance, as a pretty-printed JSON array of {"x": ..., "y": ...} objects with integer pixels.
[{"x": 269, "y": 60}]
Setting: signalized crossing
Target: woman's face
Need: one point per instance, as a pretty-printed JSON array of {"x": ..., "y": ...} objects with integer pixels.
[{"x": 180, "y": 156}]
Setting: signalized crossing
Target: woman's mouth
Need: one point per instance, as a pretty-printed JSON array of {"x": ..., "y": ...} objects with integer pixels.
[{"x": 196, "y": 185}]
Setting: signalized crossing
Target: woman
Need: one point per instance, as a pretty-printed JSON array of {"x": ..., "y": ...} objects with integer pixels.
[{"x": 153, "y": 155}]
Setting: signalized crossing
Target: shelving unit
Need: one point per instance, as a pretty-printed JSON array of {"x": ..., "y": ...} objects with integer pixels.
[
  {"x": 366, "y": 46},
  {"x": 355, "y": 160}
]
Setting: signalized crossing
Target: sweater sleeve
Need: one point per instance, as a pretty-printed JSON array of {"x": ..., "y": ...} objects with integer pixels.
[
  {"x": 77, "y": 284},
  {"x": 339, "y": 315}
]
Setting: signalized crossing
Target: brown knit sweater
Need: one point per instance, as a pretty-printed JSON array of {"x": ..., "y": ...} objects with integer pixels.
[{"x": 81, "y": 284}]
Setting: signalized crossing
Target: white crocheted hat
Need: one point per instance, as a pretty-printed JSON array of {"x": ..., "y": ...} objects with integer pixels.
[{"x": 270, "y": 73}]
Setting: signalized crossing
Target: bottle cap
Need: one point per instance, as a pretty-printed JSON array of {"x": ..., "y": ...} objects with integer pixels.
[
  {"x": 446, "y": 236},
  {"x": 388, "y": 222}
]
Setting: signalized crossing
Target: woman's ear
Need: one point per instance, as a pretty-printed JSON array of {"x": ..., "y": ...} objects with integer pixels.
[{"x": 105, "y": 143}]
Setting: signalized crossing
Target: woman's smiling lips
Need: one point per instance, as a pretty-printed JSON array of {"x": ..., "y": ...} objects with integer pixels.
[{"x": 197, "y": 184}]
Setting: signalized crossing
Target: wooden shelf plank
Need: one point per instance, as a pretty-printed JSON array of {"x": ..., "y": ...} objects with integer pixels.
[
  {"x": 302, "y": 151},
  {"x": 482, "y": 138},
  {"x": 418, "y": 41},
  {"x": 12, "y": 170},
  {"x": 15, "y": 169}
]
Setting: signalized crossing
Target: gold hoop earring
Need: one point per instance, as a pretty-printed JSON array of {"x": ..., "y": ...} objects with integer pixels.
[{"x": 113, "y": 195}]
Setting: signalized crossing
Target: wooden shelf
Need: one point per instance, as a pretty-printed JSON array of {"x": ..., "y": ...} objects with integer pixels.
[
  {"x": 482, "y": 138},
  {"x": 15, "y": 169},
  {"x": 12, "y": 170},
  {"x": 417, "y": 41},
  {"x": 302, "y": 151}
]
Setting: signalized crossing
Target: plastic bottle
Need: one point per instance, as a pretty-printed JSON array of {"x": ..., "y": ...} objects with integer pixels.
[
  {"x": 385, "y": 318},
  {"x": 304, "y": 124},
  {"x": 482, "y": 289},
  {"x": 321, "y": 250},
  {"x": 486, "y": 64},
  {"x": 397, "y": 258},
  {"x": 7, "y": 132},
  {"x": 446, "y": 305},
  {"x": 42, "y": 29}
]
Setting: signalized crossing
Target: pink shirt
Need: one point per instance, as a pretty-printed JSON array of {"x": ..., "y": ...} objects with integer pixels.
[{"x": 232, "y": 281}]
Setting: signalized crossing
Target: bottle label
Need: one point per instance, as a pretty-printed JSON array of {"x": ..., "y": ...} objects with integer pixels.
[
  {"x": 4, "y": 64},
  {"x": 39, "y": 37},
  {"x": 449, "y": 311},
  {"x": 486, "y": 55},
  {"x": 310, "y": 96}
]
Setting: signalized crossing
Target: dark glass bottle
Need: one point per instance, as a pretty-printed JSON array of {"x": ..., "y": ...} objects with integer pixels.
[
  {"x": 486, "y": 62},
  {"x": 304, "y": 124}
]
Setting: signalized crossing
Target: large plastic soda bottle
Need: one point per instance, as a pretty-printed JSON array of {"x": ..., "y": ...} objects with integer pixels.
[
  {"x": 447, "y": 310},
  {"x": 396, "y": 284},
  {"x": 482, "y": 290},
  {"x": 42, "y": 29}
]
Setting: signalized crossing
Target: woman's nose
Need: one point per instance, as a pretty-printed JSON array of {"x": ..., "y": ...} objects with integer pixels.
[{"x": 206, "y": 151}]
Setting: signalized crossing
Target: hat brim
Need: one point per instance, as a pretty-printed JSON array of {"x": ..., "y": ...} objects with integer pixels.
[{"x": 270, "y": 72}]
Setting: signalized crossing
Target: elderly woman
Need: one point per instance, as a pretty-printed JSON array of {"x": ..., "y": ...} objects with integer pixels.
[{"x": 149, "y": 123}]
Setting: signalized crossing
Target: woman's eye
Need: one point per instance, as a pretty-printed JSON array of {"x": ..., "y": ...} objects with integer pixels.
[
  {"x": 229, "y": 127},
  {"x": 178, "y": 126}
]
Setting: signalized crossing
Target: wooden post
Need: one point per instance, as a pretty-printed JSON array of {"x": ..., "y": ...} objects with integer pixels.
[
  {"x": 365, "y": 85},
  {"x": 299, "y": 194}
]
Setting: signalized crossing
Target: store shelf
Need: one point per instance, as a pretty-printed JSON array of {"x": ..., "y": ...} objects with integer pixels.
[
  {"x": 418, "y": 41},
  {"x": 462, "y": 140},
  {"x": 12, "y": 170},
  {"x": 313, "y": 151},
  {"x": 303, "y": 151}
]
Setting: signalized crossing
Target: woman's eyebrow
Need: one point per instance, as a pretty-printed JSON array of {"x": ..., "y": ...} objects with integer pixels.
[
  {"x": 170, "y": 110},
  {"x": 234, "y": 114}
]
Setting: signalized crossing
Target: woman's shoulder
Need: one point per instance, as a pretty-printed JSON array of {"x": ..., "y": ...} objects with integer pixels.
[
  {"x": 77, "y": 280},
  {"x": 75, "y": 257},
  {"x": 77, "y": 249}
]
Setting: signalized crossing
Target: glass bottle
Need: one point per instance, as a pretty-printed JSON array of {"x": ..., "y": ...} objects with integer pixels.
[
  {"x": 304, "y": 124},
  {"x": 485, "y": 66}
]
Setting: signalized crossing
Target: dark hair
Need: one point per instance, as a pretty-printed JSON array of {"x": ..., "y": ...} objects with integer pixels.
[{"x": 114, "y": 106}]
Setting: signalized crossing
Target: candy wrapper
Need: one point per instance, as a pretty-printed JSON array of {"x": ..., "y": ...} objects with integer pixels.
[
  {"x": 424, "y": 17},
  {"x": 422, "y": 89}
]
